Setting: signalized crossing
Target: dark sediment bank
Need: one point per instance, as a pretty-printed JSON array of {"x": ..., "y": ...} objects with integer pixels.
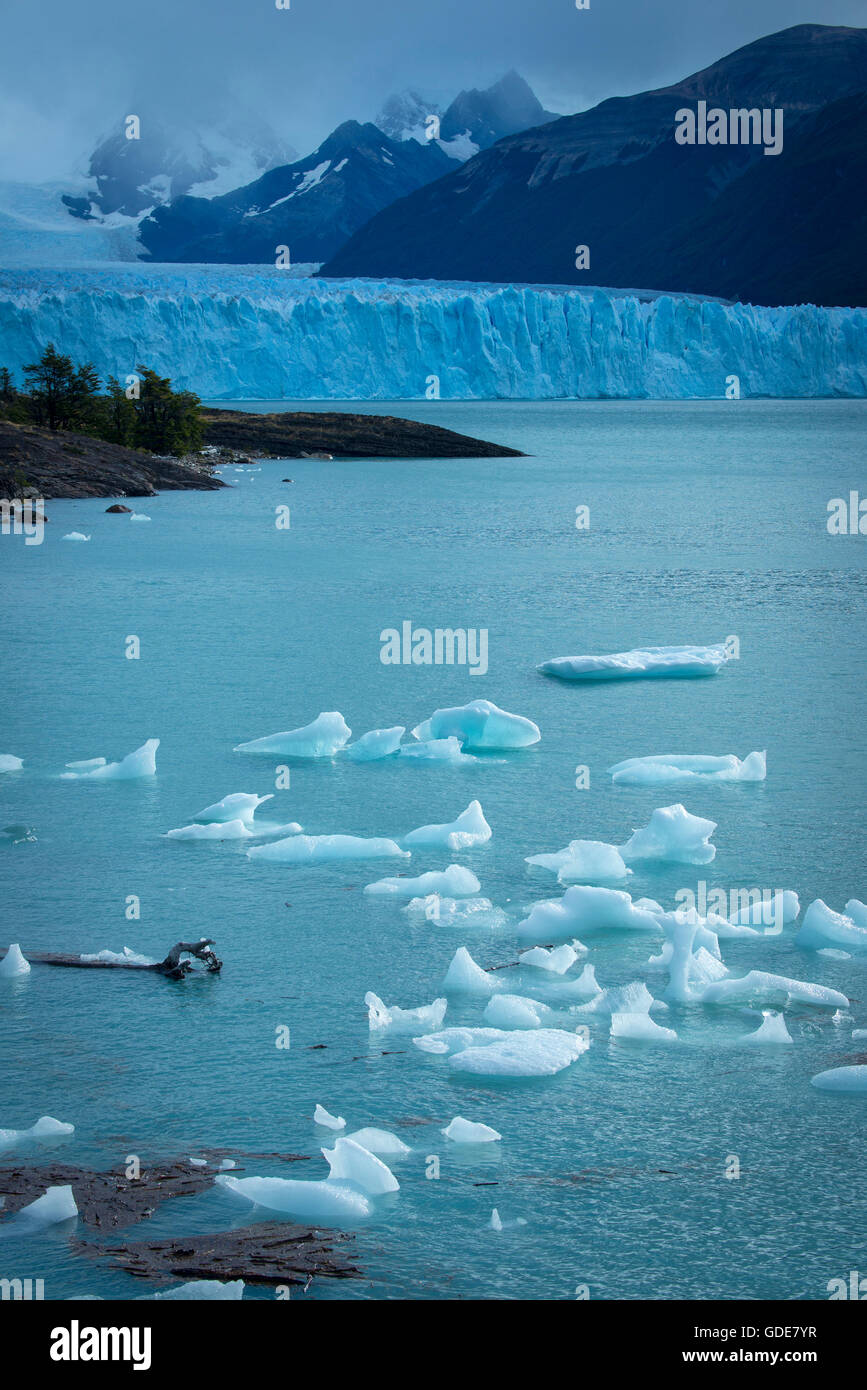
[{"x": 294, "y": 434}]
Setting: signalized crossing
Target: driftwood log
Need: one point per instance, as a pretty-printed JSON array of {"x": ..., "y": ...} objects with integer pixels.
[{"x": 173, "y": 967}]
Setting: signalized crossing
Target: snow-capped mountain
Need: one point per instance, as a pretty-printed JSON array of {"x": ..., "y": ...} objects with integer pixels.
[
  {"x": 474, "y": 121},
  {"x": 312, "y": 206},
  {"x": 405, "y": 116}
]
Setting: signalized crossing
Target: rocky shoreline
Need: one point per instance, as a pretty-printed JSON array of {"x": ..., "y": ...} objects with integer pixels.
[{"x": 306, "y": 434}]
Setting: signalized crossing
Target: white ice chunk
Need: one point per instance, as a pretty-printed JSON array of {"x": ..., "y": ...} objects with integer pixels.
[
  {"x": 436, "y": 750},
  {"x": 462, "y": 1131},
  {"x": 857, "y": 911},
  {"x": 320, "y": 849},
  {"x": 823, "y": 927},
  {"x": 516, "y": 1011},
  {"x": 759, "y": 987},
  {"x": 205, "y": 1290},
  {"x": 380, "y": 1015},
  {"x": 9, "y": 762},
  {"x": 584, "y": 861},
  {"x": 455, "y": 882},
  {"x": 469, "y": 829},
  {"x": 214, "y": 830},
  {"x": 352, "y": 1163},
  {"x": 464, "y": 976},
  {"x": 44, "y": 1128},
  {"x": 641, "y": 662},
  {"x": 772, "y": 1030},
  {"x": 584, "y": 909},
  {"x": 557, "y": 960},
  {"x": 381, "y": 1142},
  {"x": 455, "y": 912},
  {"x": 125, "y": 957},
  {"x": 140, "y": 763},
  {"x": 87, "y": 764},
  {"x": 75, "y": 536},
  {"x": 660, "y": 769},
  {"x": 138, "y": 516},
  {"x": 236, "y": 806},
  {"x": 321, "y": 1116},
  {"x": 641, "y": 1028},
  {"x": 451, "y": 1040},
  {"x": 313, "y": 1201},
  {"x": 566, "y": 992},
  {"x": 328, "y": 733},
  {"x": 851, "y": 1080},
  {"x": 495, "y": 1223},
  {"x": 13, "y": 963},
  {"x": 542, "y": 1052},
  {"x": 378, "y": 743},
  {"x": 56, "y": 1204},
  {"x": 673, "y": 835},
  {"x": 480, "y": 724},
  {"x": 634, "y": 998}
]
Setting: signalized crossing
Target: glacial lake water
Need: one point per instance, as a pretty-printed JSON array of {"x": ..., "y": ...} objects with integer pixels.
[{"x": 707, "y": 519}]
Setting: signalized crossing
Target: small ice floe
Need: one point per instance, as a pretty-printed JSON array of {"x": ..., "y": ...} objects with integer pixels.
[
  {"x": 9, "y": 763},
  {"x": 378, "y": 743},
  {"x": 44, "y": 1128},
  {"x": 215, "y": 830},
  {"x": 584, "y": 909},
  {"x": 142, "y": 762},
  {"x": 843, "y": 1080},
  {"x": 138, "y": 516},
  {"x": 672, "y": 835},
  {"x": 516, "y": 1011},
  {"x": 542, "y": 1052},
  {"x": 328, "y": 733},
  {"x": 480, "y": 725},
  {"x": 381, "y": 1016},
  {"x": 634, "y": 998},
  {"x": 558, "y": 960},
  {"x": 455, "y": 881},
  {"x": 436, "y": 750},
  {"x": 75, "y": 536},
  {"x": 323, "y": 1117},
  {"x": 660, "y": 769},
  {"x": 380, "y": 1142},
  {"x": 351, "y": 1162},
  {"x": 823, "y": 927},
  {"x": 228, "y": 1163},
  {"x": 199, "y": 1162},
  {"x": 86, "y": 764},
  {"x": 326, "y": 1201},
  {"x": 770, "y": 1032},
  {"x": 564, "y": 993},
  {"x": 55, "y": 1205},
  {"x": 759, "y": 987},
  {"x": 125, "y": 957},
  {"x": 470, "y": 828},
  {"x": 462, "y": 1131},
  {"x": 320, "y": 849},
  {"x": 464, "y": 976},
  {"x": 18, "y": 834},
  {"x": 831, "y": 954},
  {"x": 204, "y": 1290},
  {"x": 640, "y": 663},
  {"x": 455, "y": 912},
  {"x": 496, "y": 1222},
  {"x": 584, "y": 861},
  {"x": 640, "y": 1027},
  {"x": 13, "y": 963},
  {"x": 236, "y": 806}
]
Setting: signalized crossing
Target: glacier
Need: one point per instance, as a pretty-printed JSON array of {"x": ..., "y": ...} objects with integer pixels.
[{"x": 251, "y": 332}]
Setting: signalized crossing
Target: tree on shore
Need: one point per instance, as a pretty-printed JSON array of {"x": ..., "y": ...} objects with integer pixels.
[
  {"x": 166, "y": 421},
  {"x": 62, "y": 396}
]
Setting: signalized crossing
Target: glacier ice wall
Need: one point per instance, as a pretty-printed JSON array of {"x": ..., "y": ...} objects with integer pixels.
[{"x": 246, "y": 333}]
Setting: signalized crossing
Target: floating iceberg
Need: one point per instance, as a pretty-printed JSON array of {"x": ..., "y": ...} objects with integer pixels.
[
  {"x": 138, "y": 516},
  {"x": 640, "y": 1028},
  {"x": 464, "y": 976},
  {"x": 321, "y": 1116},
  {"x": 45, "y": 1128},
  {"x": 378, "y": 743},
  {"x": 470, "y": 828},
  {"x": 204, "y": 1290},
  {"x": 634, "y": 998},
  {"x": 462, "y": 1131},
  {"x": 215, "y": 830},
  {"x": 380, "y": 1141},
  {"x": 567, "y": 992},
  {"x": 436, "y": 750},
  {"x": 140, "y": 763},
  {"x": 558, "y": 960},
  {"x": 772, "y": 1030},
  {"x": 75, "y": 536},
  {"x": 321, "y": 849},
  {"x": 87, "y": 764},
  {"x": 325, "y": 1201},
  {"x": 540, "y": 1053},
  {"x": 673, "y": 835},
  {"x": 453, "y": 882},
  {"x": 9, "y": 763},
  {"x": 328, "y": 733},
  {"x": 584, "y": 861},
  {"x": 516, "y": 1011},
  {"x": 662, "y": 768},
  {"x": 56, "y": 1204},
  {"x": 380, "y": 1015},
  {"x": 759, "y": 987},
  {"x": 584, "y": 909},
  {"x": 236, "y": 806},
  {"x": 455, "y": 912},
  {"x": 13, "y": 963},
  {"x": 845, "y": 1080},
  {"x": 480, "y": 725},
  {"x": 823, "y": 927},
  {"x": 352, "y": 1163},
  {"x": 643, "y": 662}
]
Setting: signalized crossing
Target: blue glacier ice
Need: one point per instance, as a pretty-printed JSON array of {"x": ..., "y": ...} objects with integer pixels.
[{"x": 251, "y": 332}]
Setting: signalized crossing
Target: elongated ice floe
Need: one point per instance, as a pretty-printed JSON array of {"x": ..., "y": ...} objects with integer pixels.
[
  {"x": 352, "y": 1163},
  {"x": 320, "y": 849},
  {"x": 328, "y": 733},
  {"x": 462, "y": 1131},
  {"x": 204, "y": 1291},
  {"x": 469, "y": 829},
  {"x": 142, "y": 762},
  {"x": 659, "y": 769},
  {"x": 455, "y": 912},
  {"x": 672, "y": 835},
  {"x": 236, "y": 806},
  {"x": 313, "y": 1201},
  {"x": 378, "y": 743},
  {"x": 823, "y": 927},
  {"x": 453, "y": 882},
  {"x": 845, "y": 1080},
  {"x": 540, "y": 1053},
  {"x": 44, "y": 1128},
  {"x": 760, "y": 987},
  {"x": 214, "y": 830},
  {"x": 771, "y": 1031},
  {"x": 584, "y": 861},
  {"x": 464, "y": 976},
  {"x": 321, "y": 1116},
  {"x": 640, "y": 1028},
  {"x": 436, "y": 750},
  {"x": 640, "y": 663},
  {"x": 9, "y": 763},
  {"x": 480, "y": 725},
  {"x": 13, "y": 963},
  {"x": 381, "y": 1142},
  {"x": 381, "y": 1016},
  {"x": 584, "y": 909}
]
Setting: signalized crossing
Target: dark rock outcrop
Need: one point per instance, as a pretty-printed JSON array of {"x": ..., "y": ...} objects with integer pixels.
[
  {"x": 42, "y": 463},
  {"x": 292, "y": 434}
]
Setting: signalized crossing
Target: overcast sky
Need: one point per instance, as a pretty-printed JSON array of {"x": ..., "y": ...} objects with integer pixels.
[{"x": 71, "y": 70}]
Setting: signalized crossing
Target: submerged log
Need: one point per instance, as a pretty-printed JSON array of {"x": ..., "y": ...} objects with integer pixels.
[{"x": 173, "y": 967}]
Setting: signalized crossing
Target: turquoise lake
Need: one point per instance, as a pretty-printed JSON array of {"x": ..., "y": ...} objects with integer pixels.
[{"x": 707, "y": 519}]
